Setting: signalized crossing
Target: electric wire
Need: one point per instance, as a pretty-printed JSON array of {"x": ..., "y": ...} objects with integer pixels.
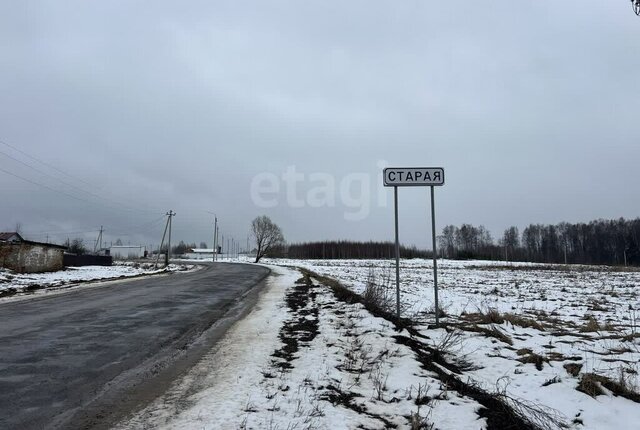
[
  {"x": 44, "y": 163},
  {"x": 124, "y": 206}
]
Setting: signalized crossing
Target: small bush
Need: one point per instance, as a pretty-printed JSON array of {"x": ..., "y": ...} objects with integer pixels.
[
  {"x": 523, "y": 322},
  {"x": 590, "y": 326},
  {"x": 528, "y": 356},
  {"x": 378, "y": 293},
  {"x": 589, "y": 385},
  {"x": 493, "y": 332},
  {"x": 573, "y": 369}
]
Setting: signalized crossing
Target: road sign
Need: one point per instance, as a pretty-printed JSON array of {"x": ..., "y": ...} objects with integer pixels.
[{"x": 413, "y": 176}]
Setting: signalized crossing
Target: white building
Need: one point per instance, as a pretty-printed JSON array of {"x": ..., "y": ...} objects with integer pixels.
[
  {"x": 127, "y": 252},
  {"x": 200, "y": 254}
]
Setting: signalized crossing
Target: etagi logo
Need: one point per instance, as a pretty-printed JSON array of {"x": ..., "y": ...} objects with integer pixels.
[{"x": 317, "y": 190}]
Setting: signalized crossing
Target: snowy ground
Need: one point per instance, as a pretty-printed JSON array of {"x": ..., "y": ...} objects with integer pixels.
[
  {"x": 525, "y": 336},
  {"x": 12, "y": 283}
]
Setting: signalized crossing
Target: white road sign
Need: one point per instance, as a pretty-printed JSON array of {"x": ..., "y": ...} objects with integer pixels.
[{"x": 413, "y": 176}]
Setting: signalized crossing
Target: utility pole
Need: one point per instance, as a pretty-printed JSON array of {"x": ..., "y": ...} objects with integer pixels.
[
  {"x": 228, "y": 249},
  {"x": 215, "y": 238},
  {"x": 98, "y": 240},
  {"x": 166, "y": 226},
  {"x": 171, "y": 214}
]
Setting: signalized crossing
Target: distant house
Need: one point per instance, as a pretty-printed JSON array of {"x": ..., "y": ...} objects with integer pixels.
[
  {"x": 200, "y": 254},
  {"x": 128, "y": 252},
  {"x": 10, "y": 237},
  {"x": 26, "y": 256}
]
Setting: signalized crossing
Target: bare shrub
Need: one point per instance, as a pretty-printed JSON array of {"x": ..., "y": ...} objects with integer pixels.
[
  {"x": 378, "y": 293},
  {"x": 528, "y": 356},
  {"x": 573, "y": 369},
  {"x": 542, "y": 417},
  {"x": 592, "y": 384},
  {"x": 421, "y": 422},
  {"x": 524, "y": 322},
  {"x": 591, "y": 325},
  {"x": 493, "y": 332},
  {"x": 589, "y": 385},
  {"x": 450, "y": 341},
  {"x": 493, "y": 316}
]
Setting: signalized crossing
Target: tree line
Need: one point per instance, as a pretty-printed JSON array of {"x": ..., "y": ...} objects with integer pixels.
[
  {"x": 350, "y": 250},
  {"x": 612, "y": 242}
]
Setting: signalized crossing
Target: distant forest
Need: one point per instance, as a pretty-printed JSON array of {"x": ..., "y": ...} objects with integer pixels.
[
  {"x": 354, "y": 250},
  {"x": 612, "y": 242}
]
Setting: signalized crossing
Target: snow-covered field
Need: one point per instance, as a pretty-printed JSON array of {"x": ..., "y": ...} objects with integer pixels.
[
  {"x": 12, "y": 283},
  {"x": 520, "y": 338}
]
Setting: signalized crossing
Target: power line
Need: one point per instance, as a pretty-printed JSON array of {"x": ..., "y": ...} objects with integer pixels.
[
  {"x": 81, "y": 189},
  {"x": 48, "y": 175},
  {"x": 145, "y": 227},
  {"x": 68, "y": 184},
  {"x": 44, "y": 163},
  {"x": 44, "y": 186}
]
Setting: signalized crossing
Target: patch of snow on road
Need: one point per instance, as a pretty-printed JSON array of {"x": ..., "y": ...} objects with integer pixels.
[{"x": 11, "y": 282}]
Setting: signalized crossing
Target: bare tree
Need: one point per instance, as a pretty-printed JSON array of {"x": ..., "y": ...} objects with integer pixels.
[
  {"x": 510, "y": 241},
  {"x": 267, "y": 235},
  {"x": 76, "y": 246}
]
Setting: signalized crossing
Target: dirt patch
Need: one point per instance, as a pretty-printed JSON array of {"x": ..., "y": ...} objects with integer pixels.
[
  {"x": 336, "y": 396},
  {"x": 302, "y": 327}
]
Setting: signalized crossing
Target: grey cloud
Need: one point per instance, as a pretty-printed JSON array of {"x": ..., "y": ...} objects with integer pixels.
[{"x": 529, "y": 106}]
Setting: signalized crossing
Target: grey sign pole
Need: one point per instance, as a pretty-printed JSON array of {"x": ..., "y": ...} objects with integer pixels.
[
  {"x": 435, "y": 256},
  {"x": 395, "y": 201},
  {"x": 415, "y": 177}
]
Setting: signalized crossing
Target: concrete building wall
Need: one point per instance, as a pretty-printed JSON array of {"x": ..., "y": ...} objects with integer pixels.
[
  {"x": 127, "y": 252},
  {"x": 199, "y": 255},
  {"x": 31, "y": 258}
]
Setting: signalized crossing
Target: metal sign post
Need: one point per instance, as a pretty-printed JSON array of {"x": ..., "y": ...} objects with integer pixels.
[
  {"x": 435, "y": 256},
  {"x": 415, "y": 177},
  {"x": 395, "y": 203}
]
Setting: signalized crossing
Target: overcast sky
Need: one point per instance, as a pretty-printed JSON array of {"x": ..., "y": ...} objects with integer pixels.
[{"x": 141, "y": 107}]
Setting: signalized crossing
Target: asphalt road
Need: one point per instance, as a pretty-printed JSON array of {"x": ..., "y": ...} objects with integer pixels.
[{"x": 86, "y": 358}]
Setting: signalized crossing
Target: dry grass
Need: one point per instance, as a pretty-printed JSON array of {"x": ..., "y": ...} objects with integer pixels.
[
  {"x": 589, "y": 385},
  {"x": 493, "y": 332},
  {"x": 493, "y": 316},
  {"x": 573, "y": 369},
  {"x": 558, "y": 268},
  {"x": 528, "y": 356},
  {"x": 592, "y": 384},
  {"x": 591, "y": 325}
]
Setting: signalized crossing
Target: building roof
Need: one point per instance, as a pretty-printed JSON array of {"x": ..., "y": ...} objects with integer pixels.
[
  {"x": 30, "y": 242},
  {"x": 127, "y": 246},
  {"x": 9, "y": 234},
  {"x": 48, "y": 245},
  {"x": 202, "y": 250}
]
